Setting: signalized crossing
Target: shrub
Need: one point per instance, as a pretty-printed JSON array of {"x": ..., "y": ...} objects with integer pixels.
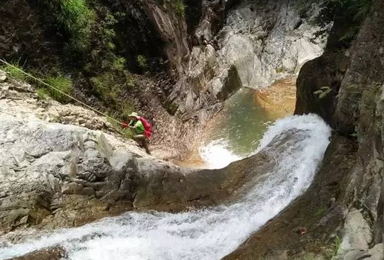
[
  {"x": 75, "y": 18},
  {"x": 119, "y": 64},
  {"x": 104, "y": 83}
]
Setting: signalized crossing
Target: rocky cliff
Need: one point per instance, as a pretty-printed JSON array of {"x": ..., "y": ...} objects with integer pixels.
[
  {"x": 341, "y": 215},
  {"x": 173, "y": 61}
]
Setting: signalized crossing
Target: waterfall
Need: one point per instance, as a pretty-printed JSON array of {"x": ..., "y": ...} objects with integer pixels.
[{"x": 201, "y": 234}]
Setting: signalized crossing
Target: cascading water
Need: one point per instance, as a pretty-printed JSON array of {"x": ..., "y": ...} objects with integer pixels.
[
  {"x": 208, "y": 233},
  {"x": 217, "y": 154}
]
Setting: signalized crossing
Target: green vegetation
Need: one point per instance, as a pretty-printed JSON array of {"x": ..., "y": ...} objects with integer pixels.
[
  {"x": 110, "y": 83},
  {"x": 119, "y": 64},
  {"x": 142, "y": 61},
  {"x": 75, "y": 18},
  {"x": 106, "y": 85},
  {"x": 42, "y": 94},
  {"x": 127, "y": 108},
  {"x": 320, "y": 211},
  {"x": 178, "y": 6},
  {"x": 59, "y": 82},
  {"x": 15, "y": 71},
  {"x": 323, "y": 92},
  {"x": 337, "y": 244},
  {"x": 62, "y": 84},
  {"x": 87, "y": 29}
]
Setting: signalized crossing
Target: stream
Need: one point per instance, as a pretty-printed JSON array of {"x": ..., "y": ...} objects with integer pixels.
[{"x": 203, "y": 234}]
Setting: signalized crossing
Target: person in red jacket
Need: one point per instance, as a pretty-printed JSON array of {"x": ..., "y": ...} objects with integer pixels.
[{"x": 140, "y": 134}]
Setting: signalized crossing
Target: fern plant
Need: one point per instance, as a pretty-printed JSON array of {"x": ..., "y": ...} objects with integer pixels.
[{"x": 322, "y": 92}]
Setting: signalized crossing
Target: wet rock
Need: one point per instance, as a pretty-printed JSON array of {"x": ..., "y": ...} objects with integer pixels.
[{"x": 55, "y": 253}]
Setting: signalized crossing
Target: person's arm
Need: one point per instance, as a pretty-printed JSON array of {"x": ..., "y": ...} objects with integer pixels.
[{"x": 130, "y": 124}]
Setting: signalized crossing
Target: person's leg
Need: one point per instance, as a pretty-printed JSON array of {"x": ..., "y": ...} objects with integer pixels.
[{"x": 142, "y": 140}]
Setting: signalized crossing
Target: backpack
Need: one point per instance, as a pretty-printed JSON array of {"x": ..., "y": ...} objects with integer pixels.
[{"x": 147, "y": 127}]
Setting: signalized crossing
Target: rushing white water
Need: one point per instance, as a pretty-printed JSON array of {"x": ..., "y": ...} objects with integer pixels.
[
  {"x": 217, "y": 154},
  {"x": 200, "y": 234}
]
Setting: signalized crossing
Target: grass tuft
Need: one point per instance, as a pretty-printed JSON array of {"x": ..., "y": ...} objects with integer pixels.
[
  {"x": 14, "y": 71},
  {"x": 61, "y": 83}
]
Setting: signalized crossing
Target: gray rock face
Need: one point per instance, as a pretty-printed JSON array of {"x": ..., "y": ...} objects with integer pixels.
[
  {"x": 263, "y": 41},
  {"x": 357, "y": 235},
  {"x": 268, "y": 41}
]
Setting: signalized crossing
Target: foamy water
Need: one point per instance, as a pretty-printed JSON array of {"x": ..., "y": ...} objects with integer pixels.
[
  {"x": 217, "y": 154},
  {"x": 207, "y": 234}
]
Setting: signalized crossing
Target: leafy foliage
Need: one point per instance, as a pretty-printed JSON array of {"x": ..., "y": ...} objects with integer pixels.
[
  {"x": 142, "y": 61},
  {"x": 75, "y": 18},
  {"x": 119, "y": 64},
  {"x": 323, "y": 92}
]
